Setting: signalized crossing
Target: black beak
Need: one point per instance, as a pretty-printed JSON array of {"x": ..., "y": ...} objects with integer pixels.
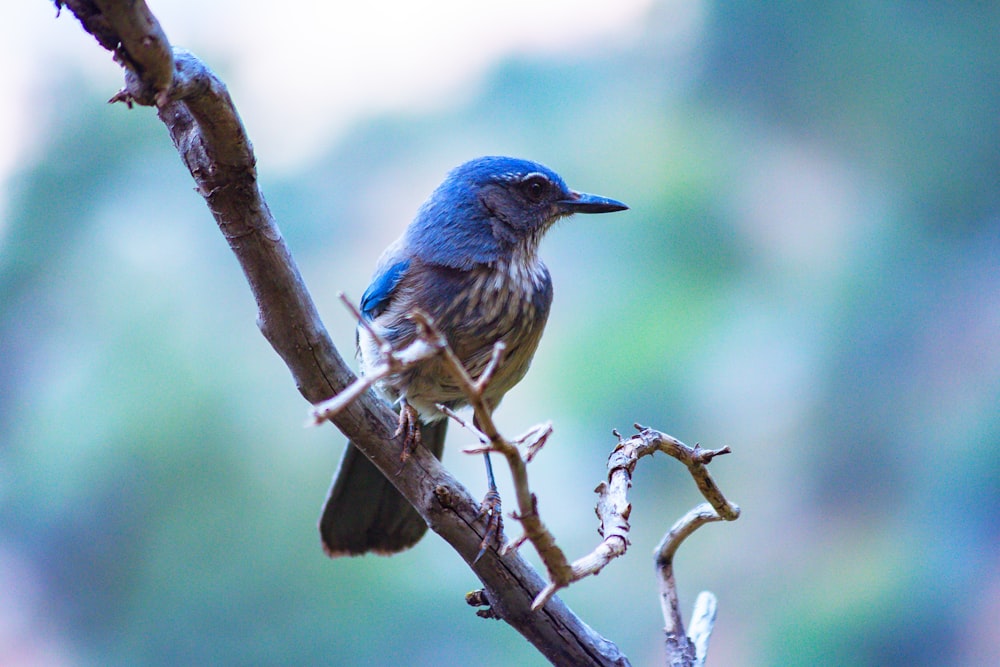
[{"x": 580, "y": 202}]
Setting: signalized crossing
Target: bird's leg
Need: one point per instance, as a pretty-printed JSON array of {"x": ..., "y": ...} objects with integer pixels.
[
  {"x": 490, "y": 510},
  {"x": 409, "y": 428}
]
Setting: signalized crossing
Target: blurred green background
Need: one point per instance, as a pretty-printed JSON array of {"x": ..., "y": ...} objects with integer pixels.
[{"x": 810, "y": 273}]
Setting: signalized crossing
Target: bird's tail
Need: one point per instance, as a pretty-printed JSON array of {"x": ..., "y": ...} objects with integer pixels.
[{"x": 364, "y": 511}]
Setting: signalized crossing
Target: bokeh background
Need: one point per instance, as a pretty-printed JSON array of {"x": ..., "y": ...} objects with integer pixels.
[{"x": 810, "y": 273}]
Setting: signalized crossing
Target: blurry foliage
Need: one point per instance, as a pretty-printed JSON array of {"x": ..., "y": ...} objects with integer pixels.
[{"x": 809, "y": 273}]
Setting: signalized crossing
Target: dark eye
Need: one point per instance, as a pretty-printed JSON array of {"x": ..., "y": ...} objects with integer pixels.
[{"x": 534, "y": 188}]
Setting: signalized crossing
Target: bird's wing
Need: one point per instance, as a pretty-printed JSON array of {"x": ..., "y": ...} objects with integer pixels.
[{"x": 376, "y": 297}]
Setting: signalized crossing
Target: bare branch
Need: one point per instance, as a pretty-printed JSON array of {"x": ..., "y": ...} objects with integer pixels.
[
  {"x": 208, "y": 134},
  {"x": 683, "y": 650},
  {"x": 613, "y": 508},
  {"x": 695, "y": 458},
  {"x": 206, "y": 129},
  {"x": 673, "y": 623},
  {"x": 560, "y": 573}
]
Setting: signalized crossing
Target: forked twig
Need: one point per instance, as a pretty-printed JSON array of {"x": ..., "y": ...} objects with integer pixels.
[
  {"x": 613, "y": 508},
  {"x": 394, "y": 362}
]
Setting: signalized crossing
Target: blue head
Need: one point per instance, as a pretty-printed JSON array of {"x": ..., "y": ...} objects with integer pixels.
[{"x": 491, "y": 207}]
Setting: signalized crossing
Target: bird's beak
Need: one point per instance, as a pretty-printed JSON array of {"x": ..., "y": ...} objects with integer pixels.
[{"x": 580, "y": 202}]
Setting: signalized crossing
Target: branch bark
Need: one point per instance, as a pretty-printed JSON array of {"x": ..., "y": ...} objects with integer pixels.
[{"x": 207, "y": 132}]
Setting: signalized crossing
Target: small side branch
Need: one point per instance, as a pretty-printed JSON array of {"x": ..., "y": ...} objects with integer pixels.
[
  {"x": 648, "y": 441},
  {"x": 555, "y": 561},
  {"x": 396, "y": 361},
  {"x": 683, "y": 649},
  {"x": 613, "y": 508}
]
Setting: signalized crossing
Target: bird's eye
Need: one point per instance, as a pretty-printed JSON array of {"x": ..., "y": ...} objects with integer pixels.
[{"x": 534, "y": 188}]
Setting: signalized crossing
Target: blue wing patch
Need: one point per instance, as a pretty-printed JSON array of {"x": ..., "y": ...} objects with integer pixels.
[{"x": 376, "y": 297}]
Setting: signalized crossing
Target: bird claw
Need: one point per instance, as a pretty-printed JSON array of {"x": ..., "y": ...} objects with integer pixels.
[
  {"x": 490, "y": 510},
  {"x": 409, "y": 428}
]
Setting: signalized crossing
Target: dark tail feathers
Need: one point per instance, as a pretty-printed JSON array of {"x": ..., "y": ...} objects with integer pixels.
[{"x": 364, "y": 511}]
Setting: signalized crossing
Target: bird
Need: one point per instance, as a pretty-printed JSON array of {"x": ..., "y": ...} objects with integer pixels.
[{"x": 469, "y": 260}]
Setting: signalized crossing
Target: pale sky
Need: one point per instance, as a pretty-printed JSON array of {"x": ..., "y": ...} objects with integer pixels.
[{"x": 302, "y": 70}]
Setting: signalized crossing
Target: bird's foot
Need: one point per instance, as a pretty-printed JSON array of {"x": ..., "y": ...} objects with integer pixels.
[
  {"x": 409, "y": 428},
  {"x": 491, "y": 512}
]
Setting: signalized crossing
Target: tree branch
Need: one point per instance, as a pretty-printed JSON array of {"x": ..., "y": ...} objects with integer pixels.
[
  {"x": 613, "y": 510},
  {"x": 207, "y": 132},
  {"x": 683, "y": 649}
]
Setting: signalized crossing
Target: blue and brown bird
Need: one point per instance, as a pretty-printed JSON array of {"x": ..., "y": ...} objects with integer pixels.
[{"x": 469, "y": 260}]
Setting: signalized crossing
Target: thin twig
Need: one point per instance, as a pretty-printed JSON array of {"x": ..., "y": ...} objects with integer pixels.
[
  {"x": 469, "y": 426},
  {"x": 364, "y": 322},
  {"x": 395, "y": 363},
  {"x": 690, "y": 522},
  {"x": 533, "y": 440},
  {"x": 555, "y": 561},
  {"x": 498, "y": 350}
]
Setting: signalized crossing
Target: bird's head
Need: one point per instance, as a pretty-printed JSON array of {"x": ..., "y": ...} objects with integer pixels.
[{"x": 491, "y": 207}]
